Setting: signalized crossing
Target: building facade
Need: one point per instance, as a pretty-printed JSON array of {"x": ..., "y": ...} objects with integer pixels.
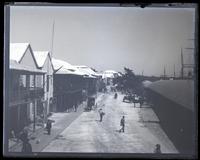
[
  {"x": 24, "y": 93},
  {"x": 44, "y": 62},
  {"x": 68, "y": 85}
]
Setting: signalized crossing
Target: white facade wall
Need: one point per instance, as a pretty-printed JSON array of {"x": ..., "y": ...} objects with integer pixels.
[
  {"x": 48, "y": 82},
  {"x": 28, "y": 60}
]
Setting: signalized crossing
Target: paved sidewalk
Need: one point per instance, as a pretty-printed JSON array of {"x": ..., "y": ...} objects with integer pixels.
[{"x": 62, "y": 120}]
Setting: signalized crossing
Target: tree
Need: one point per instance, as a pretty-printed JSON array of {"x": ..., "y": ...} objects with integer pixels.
[{"x": 130, "y": 82}]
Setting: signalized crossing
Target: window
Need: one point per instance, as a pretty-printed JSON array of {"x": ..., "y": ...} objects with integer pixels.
[
  {"x": 47, "y": 83},
  {"x": 22, "y": 80},
  {"x": 31, "y": 80}
]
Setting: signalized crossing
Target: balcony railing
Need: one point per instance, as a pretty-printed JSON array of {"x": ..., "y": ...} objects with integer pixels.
[{"x": 25, "y": 94}]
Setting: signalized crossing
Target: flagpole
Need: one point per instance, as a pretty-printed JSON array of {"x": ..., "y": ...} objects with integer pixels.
[{"x": 52, "y": 39}]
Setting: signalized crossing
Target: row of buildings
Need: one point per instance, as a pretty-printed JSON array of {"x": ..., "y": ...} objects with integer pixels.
[{"x": 40, "y": 84}]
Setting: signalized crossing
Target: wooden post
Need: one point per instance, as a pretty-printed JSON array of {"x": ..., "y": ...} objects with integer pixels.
[
  {"x": 182, "y": 65},
  {"x": 164, "y": 73},
  {"x": 18, "y": 117},
  {"x": 43, "y": 103},
  {"x": 34, "y": 105},
  {"x": 174, "y": 72}
]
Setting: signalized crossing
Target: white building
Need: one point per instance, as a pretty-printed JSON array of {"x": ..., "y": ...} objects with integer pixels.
[
  {"x": 44, "y": 62},
  {"x": 25, "y": 93},
  {"x": 109, "y": 75}
]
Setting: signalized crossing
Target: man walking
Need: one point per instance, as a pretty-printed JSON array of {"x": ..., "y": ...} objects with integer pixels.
[
  {"x": 26, "y": 146},
  {"x": 122, "y": 123},
  {"x": 23, "y": 135},
  {"x": 48, "y": 126},
  {"x": 75, "y": 107},
  {"x": 101, "y": 114},
  {"x": 157, "y": 149},
  {"x": 141, "y": 101}
]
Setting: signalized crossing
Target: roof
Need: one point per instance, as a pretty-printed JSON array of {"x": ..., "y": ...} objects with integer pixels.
[
  {"x": 110, "y": 72},
  {"x": 17, "y": 50},
  {"x": 99, "y": 74},
  {"x": 108, "y": 76},
  {"x": 40, "y": 57},
  {"x": 17, "y": 66},
  {"x": 63, "y": 67},
  {"x": 56, "y": 63},
  {"x": 64, "y": 71},
  {"x": 88, "y": 71},
  {"x": 179, "y": 91}
]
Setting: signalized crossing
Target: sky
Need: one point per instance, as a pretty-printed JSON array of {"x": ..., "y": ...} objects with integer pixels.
[{"x": 144, "y": 40}]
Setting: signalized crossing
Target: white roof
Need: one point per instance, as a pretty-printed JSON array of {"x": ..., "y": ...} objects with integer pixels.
[
  {"x": 64, "y": 71},
  {"x": 99, "y": 74},
  {"x": 56, "y": 63},
  {"x": 17, "y": 50},
  {"x": 87, "y": 70},
  {"x": 108, "y": 75},
  {"x": 40, "y": 57},
  {"x": 110, "y": 72},
  {"x": 17, "y": 66},
  {"x": 65, "y": 68},
  {"x": 86, "y": 73}
]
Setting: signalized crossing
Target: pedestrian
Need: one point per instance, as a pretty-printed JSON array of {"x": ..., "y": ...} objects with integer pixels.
[
  {"x": 101, "y": 114},
  {"x": 23, "y": 136},
  {"x": 75, "y": 107},
  {"x": 122, "y": 124},
  {"x": 141, "y": 101},
  {"x": 48, "y": 126},
  {"x": 157, "y": 149},
  {"x": 13, "y": 134},
  {"x": 115, "y": 96},
  {"x": 134, "y": 100},
  {"x": 26, "y": 146}
]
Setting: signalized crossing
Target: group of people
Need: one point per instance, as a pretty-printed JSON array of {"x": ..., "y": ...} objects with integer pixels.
[
  {"x": 26, "y": 146},
  {"x": 23, "y": 136},
  {"x": 157, "y": 149},
  {"x": 122, "y": 121}
]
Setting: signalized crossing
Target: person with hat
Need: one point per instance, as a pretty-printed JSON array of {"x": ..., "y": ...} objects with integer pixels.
[
  {"x": 26, "y": 146},
  {"x": 122, "y": 123},
  {"x": 157, "y": 149},
  {"x": 48, "y": 126}
]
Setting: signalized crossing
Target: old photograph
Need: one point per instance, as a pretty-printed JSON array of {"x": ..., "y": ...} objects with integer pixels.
[{"x": 100, "y": 79}]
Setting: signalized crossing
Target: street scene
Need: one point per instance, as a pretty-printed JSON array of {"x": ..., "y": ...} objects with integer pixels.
[
  {"x": 87, "y": 134},
  {"x": 98, "y": 80}
]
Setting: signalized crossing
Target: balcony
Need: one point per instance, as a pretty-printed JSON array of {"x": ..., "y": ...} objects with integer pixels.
[{"x": 24, "y": 95}]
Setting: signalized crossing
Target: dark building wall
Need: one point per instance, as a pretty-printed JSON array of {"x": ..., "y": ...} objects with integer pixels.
[
  {"x": 92, "y": 88},
  {"x": 177, "y": 121},
  {"x": 67, "y": 91}
]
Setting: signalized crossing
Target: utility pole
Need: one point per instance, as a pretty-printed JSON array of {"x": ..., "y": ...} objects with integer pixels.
[
  {"x": 52, "y": 39},
  {"x": 174, "y": 72},
  {"x": 35, "y": 104},
  {"x": 164, "y": 73},
  {"x": 181, "y": 63}
]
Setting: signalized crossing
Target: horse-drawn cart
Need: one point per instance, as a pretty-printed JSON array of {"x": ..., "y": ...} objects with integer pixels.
[
  {"x": 133, "y": 99},
  {"x": 90, "y": 103}
]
